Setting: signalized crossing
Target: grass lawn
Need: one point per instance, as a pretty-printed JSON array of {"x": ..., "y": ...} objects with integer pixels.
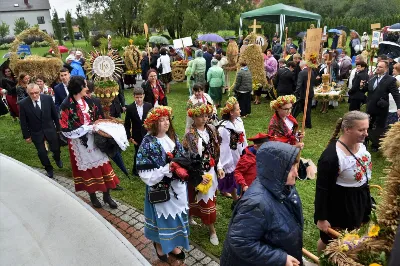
[{"x": 12, "y": 144}]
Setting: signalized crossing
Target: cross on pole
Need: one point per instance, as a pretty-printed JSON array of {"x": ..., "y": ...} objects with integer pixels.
[{"x": 255, "y": 26}]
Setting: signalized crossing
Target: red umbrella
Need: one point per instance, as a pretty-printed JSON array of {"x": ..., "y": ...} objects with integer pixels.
[{"x": 61, "y": 48}]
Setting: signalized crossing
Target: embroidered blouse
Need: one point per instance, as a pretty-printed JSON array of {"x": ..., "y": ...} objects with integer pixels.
[{"x": 351, "y": 173}]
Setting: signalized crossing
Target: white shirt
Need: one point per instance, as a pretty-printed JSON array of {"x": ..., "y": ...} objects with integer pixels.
[
  {"x": 351, "y": 174},
  {"x": 288, "y": 123},
  {"x": 140, "y": 111},
  {"x": 166, "y": 64},
  {"x": 66, "y": 89},
  {"x": 392, "y": 103},
  {"x": 38, "y": 102}
]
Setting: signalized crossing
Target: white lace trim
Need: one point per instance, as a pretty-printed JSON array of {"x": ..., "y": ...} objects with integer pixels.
[
  {"x": 117, "y": 131},
  {"x": 90, "y": 157}
]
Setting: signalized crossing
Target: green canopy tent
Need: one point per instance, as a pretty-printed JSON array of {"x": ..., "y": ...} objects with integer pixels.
[{"x": 280, "y": 14}]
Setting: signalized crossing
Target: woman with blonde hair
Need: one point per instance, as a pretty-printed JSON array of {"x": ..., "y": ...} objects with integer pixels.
[{"x": 342, "y": 197}]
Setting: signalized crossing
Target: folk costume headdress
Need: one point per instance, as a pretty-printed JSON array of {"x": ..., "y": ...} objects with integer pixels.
[
  {"x": 281, "y": 101},
  {"x": 155, "y": 114},
  {"x": 230, "y": 103},
  {"x": 197, "y": 110}
]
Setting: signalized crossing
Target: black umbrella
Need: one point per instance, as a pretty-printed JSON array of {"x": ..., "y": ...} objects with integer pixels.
[
  {"x": 344, "y": 28},
  {"x": 389, "y": 48},
  {"x": 230, "y": 38},
  {"x": 394, "y": 27},
  {"x": 301, "y": 34}
]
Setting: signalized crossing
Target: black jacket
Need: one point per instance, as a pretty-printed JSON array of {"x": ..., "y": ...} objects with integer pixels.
[
  {"x": 118, "y": 102},
  {"x": 380, "y": 95},
  {"x": 132, "y": 121},
  {"x": 149, "y": 95},
  {"x": 35, "y": 126},
  {"x": 285, "y": 82},
  {"x": 144, "y": 65},
  {"x": 356, "y": 91},
  {"x": 153, "y": 61},
  {"x": 301, "y": 85},
  {"x": 267, "y": 222},
  {"x": 9, "y": 85}
]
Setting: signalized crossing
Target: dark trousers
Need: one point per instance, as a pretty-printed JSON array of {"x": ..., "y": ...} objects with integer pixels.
[
  {"x": 377, "y": 125},
  {"x": 299, "y": 108},
  {"x": 42, "y": 152},
  {"x": 355, "y": 104},
  {"x": 134, "y": 171},
  {"x": 244, "y": 100}
]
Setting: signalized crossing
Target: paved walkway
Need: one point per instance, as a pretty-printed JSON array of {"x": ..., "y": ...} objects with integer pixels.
[{"x": 130, "y": 223}]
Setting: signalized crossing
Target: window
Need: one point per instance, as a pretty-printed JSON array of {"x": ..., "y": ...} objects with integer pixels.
[
  {"x": 22, "y": 18},
  {"x": 40, "y": 20}
]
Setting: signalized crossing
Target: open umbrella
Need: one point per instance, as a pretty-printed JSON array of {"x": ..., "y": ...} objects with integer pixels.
[
  {"x": 389, "y": 47},
  {"x": 211, "y": 37},
  {"x": 158, "y": 40},
  {"x": 394, "y": 27},
  {"x": 61, "y": 48},
  {"x": 341, "y": 27},
  {"x": 334, "y": 31},
  {"x": 230, "y": 37},
  {"x": 301, "y": 34}
]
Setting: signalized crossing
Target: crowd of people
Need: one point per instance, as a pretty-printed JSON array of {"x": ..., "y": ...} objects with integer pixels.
[{"x": 183, "y": 178}]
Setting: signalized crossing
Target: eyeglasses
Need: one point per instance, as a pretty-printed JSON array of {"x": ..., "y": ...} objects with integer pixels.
[
  {"x": 153, "y": 76},
  {"x": 287, "y": 109}
]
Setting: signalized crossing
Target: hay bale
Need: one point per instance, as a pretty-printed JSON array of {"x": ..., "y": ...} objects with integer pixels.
[{"x": 232, "y": 53}]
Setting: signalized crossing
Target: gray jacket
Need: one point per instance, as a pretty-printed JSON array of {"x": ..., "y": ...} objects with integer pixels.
[{"x": 244, "y": 81}]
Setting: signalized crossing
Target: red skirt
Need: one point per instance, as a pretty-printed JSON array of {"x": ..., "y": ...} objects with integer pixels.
[
  {"x": 100, "y": 178},
  {"x": 207, "y": 212},
  {"x": 12, "y": 105}
]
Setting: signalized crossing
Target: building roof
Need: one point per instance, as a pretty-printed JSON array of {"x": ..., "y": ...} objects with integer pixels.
[{"x": 10, "y": 5}]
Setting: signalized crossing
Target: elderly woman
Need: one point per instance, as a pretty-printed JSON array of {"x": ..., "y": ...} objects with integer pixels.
[
  {"x": 199, "y": 96},
  {"x": 342, "y": 196},
  {"x": 203, "y": 139},
  {"x": 9, "y": 83},
  {"x": 144, "y": 65},
  {"x": 266, "y": 227},
  {"x": 166, "y": 216},
  {"x": 243, "y": 88},
  {"x": 216, "y": 80},
  {"x": 199, "y": 68},
  {"x": 164, "y": 62},
  {"x": 91, "y": 168},
  {"x": 154, "y": 90}
]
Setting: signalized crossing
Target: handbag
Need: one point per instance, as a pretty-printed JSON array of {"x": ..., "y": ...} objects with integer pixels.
[
  {"x": 373, "y": 201},
  {"x": 159, "y": 193},
  {"x": 160, "y": 68}
]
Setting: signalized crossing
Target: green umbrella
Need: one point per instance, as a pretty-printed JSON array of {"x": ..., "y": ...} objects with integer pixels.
[{"x": 159, "y": 40}]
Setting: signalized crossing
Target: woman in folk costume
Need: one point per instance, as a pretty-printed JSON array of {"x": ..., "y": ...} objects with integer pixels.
[
  {"x": 91, "y": 168},
  {"x": 199, "y": 96},
  {"x": 231, "y": 130},
  {"x": 166, "y": 202},
  {"x": 203, "y": 139},
  {"x": 283, "y": 127}
]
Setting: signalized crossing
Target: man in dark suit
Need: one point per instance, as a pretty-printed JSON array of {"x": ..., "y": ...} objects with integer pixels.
[
  {"x": 136, "y": 113},
  {"x": 60, "y": 90},
  {"x": 300, "y": 93},
  {"x": 40, "y": 122},
  {"x": 285, "y": 80},
  {"x": 379, "y": 88}
]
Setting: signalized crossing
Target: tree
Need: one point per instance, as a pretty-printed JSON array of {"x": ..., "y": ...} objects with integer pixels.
[
  {"x": 70, "y": 30},
  {"x": 83, "y": 23},
  {"x": 57, "y": 27},
  {"x": 20, "y": 25},
  {"x": 4, "y": 29}
]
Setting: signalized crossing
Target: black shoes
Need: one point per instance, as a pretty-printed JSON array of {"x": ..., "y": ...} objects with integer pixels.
[
  {"x": 180, "y": 256},
  {"x": 118, "y": 187},
  {"x": 107, "y": 199},
  {"x": 50, "y": 173},
  {"x": 164, "y": 257},
  {"x": 59, "y": 164},
  {"x": 95, "y": 202}
]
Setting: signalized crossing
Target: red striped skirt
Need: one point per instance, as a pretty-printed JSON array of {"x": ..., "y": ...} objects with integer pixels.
[
  {"x": 100, "y": 178},
  {"x": 207, "y": 212}
]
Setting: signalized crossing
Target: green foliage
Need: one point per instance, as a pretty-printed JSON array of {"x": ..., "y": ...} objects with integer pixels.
[
  {"x": 57, "y": 27},
  {"x": 20, "y": 25},
  {"x": 105, "y": 84},
  {"x": 119, "y": 42},
  {"x": 70, "y": 30},
  {"x": 226, "y": 33},
  {"x": 4, "y": 29},
  {"x": 5, "y": 46},
  {"x": 83, "y": 23},
  {"x": 95, "y": 40},
  {"x": 40, "y": 44}
]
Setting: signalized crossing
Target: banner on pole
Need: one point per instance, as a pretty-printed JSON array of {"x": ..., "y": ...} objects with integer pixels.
[
  {"x": 313, "y": 42},
  {"x": 375, "y": 39}
]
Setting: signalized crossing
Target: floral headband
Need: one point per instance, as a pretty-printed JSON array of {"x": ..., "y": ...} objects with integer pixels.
[
  {"x": 155, "y": 114},
  {"x": 230, "y": 103},
  {"x": 282, "y": 100},
  {"x": 199, "y": 110}
]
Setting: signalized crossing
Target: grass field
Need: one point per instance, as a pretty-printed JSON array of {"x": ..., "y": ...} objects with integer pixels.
[{"x": 12, "y": 144}]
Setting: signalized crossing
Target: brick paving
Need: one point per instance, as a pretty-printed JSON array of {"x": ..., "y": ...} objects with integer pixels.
[{"x": 129, "y": 221}]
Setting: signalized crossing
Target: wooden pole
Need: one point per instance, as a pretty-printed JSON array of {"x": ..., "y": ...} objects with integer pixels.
[
  {"x": 310, "y": 255},
  {"x": 306, "y": 99},
  {"x": 334, "y": 233}
]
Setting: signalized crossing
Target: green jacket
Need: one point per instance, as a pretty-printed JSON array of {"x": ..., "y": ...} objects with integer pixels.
[
  {"x": 199, "y": 65},
  {"x": 216, "y": 77},
  {"x": 243, "y": 81}
]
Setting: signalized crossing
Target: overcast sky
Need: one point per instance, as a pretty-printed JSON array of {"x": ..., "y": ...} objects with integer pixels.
[{"x": 63, "y": 5}]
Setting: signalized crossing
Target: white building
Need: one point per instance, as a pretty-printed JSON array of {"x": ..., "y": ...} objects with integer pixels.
[{"x": 32, "y": 11}]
